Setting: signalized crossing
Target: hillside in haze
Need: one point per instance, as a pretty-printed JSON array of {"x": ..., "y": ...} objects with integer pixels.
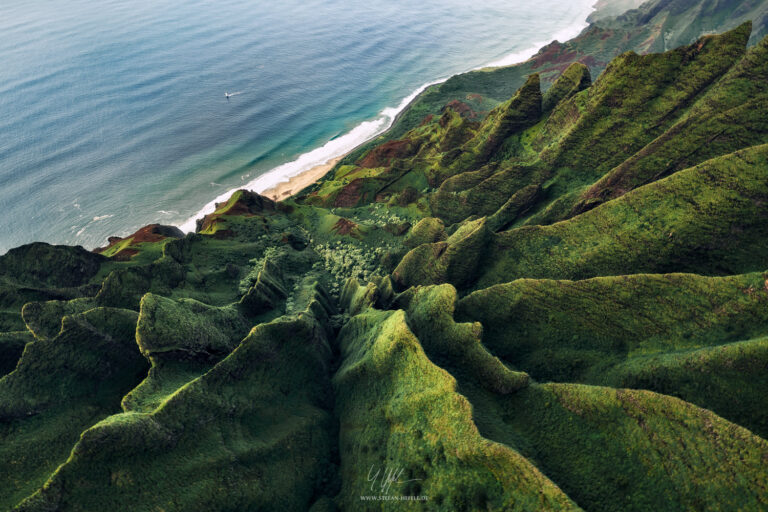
[
  {"x": 561, "y": 304},
  {"x": 655, "y": 26}
]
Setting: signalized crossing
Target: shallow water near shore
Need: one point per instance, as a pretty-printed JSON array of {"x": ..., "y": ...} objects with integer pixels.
[{"x": 114, "y": 113}]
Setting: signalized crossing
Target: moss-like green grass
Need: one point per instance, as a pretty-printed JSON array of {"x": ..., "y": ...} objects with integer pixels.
[
  {"x": 398, "y": 411},
  {"x": 535, "y": 298}
]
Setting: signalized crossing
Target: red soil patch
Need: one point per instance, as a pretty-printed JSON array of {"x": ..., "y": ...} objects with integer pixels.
[
  {"x": 125, "y": 255},
  {"x": 249, "y": 204},
  {"x": 427, "y": 119},
  {"x": 382, "y": 156},
  {"x": 555, "y": 55},
  {"x": 207, "y": 222},
  {"x": 474, "y": 96},
  {"x": 150, "y": 233},
  {"x": 547, "y": 54},
  {"x": 462, "y": 109},
  {"x": 349, "y": 195},
  {"x": 239, "y": 208},
  {"x": 344, "y": 227},
  {"x": 560, "y": 63},
  {"x": 605, "y": 35}
]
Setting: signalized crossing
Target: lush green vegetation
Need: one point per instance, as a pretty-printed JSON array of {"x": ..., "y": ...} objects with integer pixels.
[
  {"x": 557, "y": 303},
  {"x": 657, "y": 26}
]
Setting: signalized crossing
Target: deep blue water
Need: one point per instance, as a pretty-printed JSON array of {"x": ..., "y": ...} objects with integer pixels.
[{"x": 113, "y": 115}]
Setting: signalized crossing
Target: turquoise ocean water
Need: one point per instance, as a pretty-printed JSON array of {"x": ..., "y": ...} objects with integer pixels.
[{"x": 113, "y": 114}]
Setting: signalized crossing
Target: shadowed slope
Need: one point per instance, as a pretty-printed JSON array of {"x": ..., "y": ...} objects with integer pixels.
[
  {"x": 264, "y": 442},
  {"x": 59, "y": 388},
  {"x": 397, "y": 409},
  {"x": 390, "y": 332}
]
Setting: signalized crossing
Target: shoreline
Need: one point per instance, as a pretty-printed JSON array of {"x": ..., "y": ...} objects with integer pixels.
[
  {"x": 291, "y": 177},
  {"x": 332, "y": 151},
  {"x": 299, "y": 182}
]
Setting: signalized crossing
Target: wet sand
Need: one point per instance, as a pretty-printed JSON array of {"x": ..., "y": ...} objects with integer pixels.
[{"x": 301, "y": 181}]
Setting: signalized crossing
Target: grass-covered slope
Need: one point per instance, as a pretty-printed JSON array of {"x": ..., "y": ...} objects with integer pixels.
[
  {"x": 42, "y": 272},
  {"x": 655, "y": 26},
  {"x": 727, "y": 117},
  {"x": 253, "y": 432},
  {"x": 709, "y": 219},
  {"x": 679, "y": 334},
  {"x": 416, "y": 421},
  {"x": 620, "y": 449},
  {"x": 60, "y": 387},
  {"x": 560, "y": 305}
]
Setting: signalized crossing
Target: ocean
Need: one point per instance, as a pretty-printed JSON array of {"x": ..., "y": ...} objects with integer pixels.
[{"x": 113, "y": 114}]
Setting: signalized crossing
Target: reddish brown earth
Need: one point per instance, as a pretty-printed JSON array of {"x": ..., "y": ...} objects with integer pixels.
[
  {"x": 206, "y": 222},
  {"x": 239, "y": 208},
  {"x": 557, "y": 56},
  {"x": 428, "y": 119},
  {"x": 554, "y": 54},
  {"x": 462, "y": 109},
  {"x": 349, "y": 195},
  {"x": 345, "y": 227},
  {"x": 150, "y": 233},
  {"x": 606, "y": 35},
  {"x": 125, "y": 255},
  {"x": 382, "y": 156},
  {"x": 248, "y": 205}
]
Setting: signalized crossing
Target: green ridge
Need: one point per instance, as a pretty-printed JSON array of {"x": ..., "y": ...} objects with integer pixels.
[
  {"x": 421, "y": 426},
  {"x": 544, "y": 289},
  {"x": 59, "y": 388},
  {"x": 267, "y": 445}
]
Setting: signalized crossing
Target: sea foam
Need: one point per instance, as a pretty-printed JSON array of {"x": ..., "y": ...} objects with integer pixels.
[
  {"x": 334, "y": 148},
  {"x": 370, "y": 129},
  {"x": 562, "y": 35}
]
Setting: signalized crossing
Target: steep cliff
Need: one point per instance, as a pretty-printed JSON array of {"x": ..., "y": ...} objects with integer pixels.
[{"x": 560, "y": 305}]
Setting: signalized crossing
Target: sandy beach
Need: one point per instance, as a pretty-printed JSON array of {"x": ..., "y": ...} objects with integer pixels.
[{"x": 301, "y": 181}]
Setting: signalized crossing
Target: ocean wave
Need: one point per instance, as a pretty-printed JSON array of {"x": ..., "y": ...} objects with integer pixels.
[
  {"x": 367, "y": 130},
  {"x": 562, "y": 35},
  {"x": 334, "y": 148}
]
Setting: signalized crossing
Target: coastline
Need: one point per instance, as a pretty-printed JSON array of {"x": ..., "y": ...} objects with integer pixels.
[
  {"x": 288, "y": 179},
  {"x": 295, "y": 184},
  {"x": 325, "y": 156}
]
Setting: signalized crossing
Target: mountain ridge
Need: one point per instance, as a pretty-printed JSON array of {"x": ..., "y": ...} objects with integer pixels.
[{"x": 496, "y": 309}]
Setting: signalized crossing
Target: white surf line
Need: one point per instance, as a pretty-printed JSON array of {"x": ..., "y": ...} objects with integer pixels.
[
  {"x": 334, "y": 148},
  {"x": 367, "y": 130},
  {"x": 563, "y": 35}
]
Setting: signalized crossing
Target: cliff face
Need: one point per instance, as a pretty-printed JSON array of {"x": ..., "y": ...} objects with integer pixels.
[
  {"x": 560, "y": 305},
  {"x": 655, "y": 26},
  {"x": 611, "y": 8}
]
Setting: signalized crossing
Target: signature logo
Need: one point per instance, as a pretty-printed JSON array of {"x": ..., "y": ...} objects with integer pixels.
[{"x": 383, "y": 478}]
